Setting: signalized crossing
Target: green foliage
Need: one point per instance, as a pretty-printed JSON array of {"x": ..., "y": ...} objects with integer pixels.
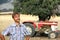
[{"x": 36, "y": 7}]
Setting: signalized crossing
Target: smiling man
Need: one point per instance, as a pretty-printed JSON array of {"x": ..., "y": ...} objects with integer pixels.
[{"x": 17, "y": 31}]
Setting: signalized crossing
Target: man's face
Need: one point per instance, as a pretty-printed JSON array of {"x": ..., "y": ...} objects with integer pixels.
[{"x": 17, "y": 18}]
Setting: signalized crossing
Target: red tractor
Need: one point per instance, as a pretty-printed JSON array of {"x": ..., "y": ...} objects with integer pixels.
[{"x": 47, "y": 27}]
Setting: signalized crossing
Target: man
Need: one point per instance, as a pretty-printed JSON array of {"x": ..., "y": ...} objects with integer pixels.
[{"x": 17, "y": 31}]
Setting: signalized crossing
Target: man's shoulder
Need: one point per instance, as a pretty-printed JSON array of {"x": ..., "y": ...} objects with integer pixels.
[
  {"x": 13, "y": 24},
  {"x": 22, "y": 24}
]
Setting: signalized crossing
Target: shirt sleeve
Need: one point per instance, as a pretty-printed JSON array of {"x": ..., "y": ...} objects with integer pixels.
[
  {"x": 6, "y": 31},
  {"x": 26, "y": 31}
]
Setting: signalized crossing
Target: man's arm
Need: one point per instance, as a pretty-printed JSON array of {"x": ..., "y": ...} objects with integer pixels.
[
  {"x": 27, "y": 33},
  {"x": 2, "y": 37},
  {"x": 27, "y": 37},
  {"x": 6, "y": 31}
]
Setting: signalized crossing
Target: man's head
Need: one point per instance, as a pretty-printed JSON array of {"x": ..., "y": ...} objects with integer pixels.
[{"x": 16, "y": 17}]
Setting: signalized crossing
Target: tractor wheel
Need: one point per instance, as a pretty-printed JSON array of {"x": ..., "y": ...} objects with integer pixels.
[
  {"x": 52, "y": 35},
  {"x": 2, "y": 37},
  {"x": 31, "y": 29}
]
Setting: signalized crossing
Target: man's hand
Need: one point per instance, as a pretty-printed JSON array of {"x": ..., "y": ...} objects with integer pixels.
[
  {"x": 2, "y": 37},
  {"x": 27, "y": 37}
]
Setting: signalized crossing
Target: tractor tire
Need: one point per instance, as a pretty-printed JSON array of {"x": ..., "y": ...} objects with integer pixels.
[
  {"x": 31, "y": 28},
  {"x": 52, "y": 35},
  {"x": 2, "y": 37}
]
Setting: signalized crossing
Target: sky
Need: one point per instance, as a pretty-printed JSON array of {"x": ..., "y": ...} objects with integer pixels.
[{"x": 6, "y": 4}]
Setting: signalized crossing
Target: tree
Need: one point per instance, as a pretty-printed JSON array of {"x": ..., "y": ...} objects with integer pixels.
[{"x": 41, "y": 8}]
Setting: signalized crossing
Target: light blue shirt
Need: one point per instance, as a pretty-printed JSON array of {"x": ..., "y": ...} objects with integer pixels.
[{"x": 16, "y": 33}]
